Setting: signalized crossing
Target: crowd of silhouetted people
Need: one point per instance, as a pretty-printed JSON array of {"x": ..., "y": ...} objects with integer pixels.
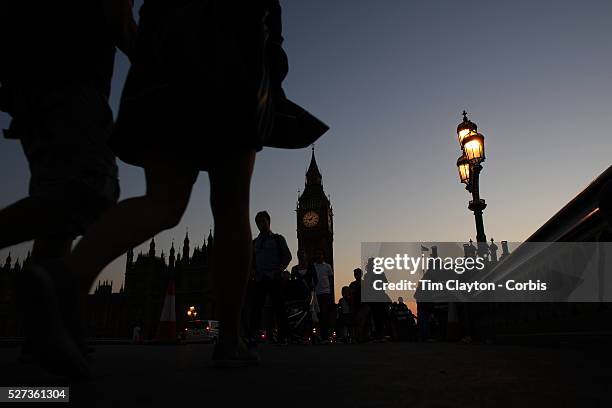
[{"x": 300, "y": 304}]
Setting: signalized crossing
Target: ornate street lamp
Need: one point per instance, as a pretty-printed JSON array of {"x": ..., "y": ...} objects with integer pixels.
[
  {"x": 463, "y": 164},
  {"x": 469, "y": 166},
  {"x": 192, "y": 312},
  {"x": 465, "y": 129},
  {"x": 473, "y": 146}
]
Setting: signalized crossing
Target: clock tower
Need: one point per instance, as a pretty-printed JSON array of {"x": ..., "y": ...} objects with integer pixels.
[{"x": 315, "y": 217}]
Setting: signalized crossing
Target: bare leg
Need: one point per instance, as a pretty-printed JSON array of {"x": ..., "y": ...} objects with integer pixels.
[
  {"x": 29, "y": 219},
  {"x": 133, "y": 221},
  {"x": 51, "y": 248},
  {"x": 26, "y": 220},
  {"x": 230, "y": 184},
  {"x": 45, "y": 249}
]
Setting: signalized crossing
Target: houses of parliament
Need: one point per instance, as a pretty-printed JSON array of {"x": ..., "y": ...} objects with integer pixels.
[{"x": 139, "y": 301}]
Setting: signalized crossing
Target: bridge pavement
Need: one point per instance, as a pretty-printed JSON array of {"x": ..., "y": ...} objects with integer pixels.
[{"x": 368, "y": 375}]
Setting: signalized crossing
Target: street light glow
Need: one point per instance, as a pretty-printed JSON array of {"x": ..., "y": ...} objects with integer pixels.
[
  {"x": 463, "y": 165},
  {"x": 463, "y": 134},
  {"x": 474, "y": 148},
  {"x": 465, "y": 128}
]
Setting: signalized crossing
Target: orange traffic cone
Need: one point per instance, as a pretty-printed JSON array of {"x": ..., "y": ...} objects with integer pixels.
[
  {"x": 166, "y": 331},
  {"x": 452, "y": 324}
]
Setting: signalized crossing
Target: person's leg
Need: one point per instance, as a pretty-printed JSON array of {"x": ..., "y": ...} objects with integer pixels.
[
  {"x": 44, "y": 249},
  {"x": 26, "y": 220},
  {"x": 320, "y": 317},
  {"x": 257, "y": 303},
  {"x": 230, "y": 184},
  {"x": 283, "y": 328},
  {"x": 378, "y": 324},
  {"x": 358, "y": 322},
  {"x": 331, "y": 317},
  {"x": 245, "y": 317},
  {"x": 133, "y": 221},
  {"x": 383, "y": 317},
  {"x": 324, "y": 316},
  {"x": 51, "y": 248},
  {"x": 278, "y": 302},
  {"x": 269, "y": 311}
]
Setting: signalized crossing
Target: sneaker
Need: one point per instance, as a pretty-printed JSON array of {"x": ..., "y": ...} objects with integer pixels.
[
  {"x": 234, "y": 356},
  {"x": 57, "y": 343}
]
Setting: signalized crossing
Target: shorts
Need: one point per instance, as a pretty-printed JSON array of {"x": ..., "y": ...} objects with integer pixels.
[{"x": 64, "y": 132}]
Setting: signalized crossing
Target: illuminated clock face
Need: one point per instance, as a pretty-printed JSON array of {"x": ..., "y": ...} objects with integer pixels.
[{"x": 310, "y": 219}]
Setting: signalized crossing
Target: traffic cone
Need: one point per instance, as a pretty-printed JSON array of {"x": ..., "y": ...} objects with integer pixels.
[
  {"x": 166, "y": 331},
  {"x": 452, "y": 323}
]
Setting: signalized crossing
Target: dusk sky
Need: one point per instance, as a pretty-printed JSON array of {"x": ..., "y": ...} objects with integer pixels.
[{"x": 391, "y": 78}]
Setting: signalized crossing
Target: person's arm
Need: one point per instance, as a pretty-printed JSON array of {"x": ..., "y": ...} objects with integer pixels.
[
  {"x": 285, "y": 253},
  {"x": 312, "y": 272},
  {"x": 121, "y": 23},
  {"x": 330, "y": 273},
  {"x": 294, "y": 273}
]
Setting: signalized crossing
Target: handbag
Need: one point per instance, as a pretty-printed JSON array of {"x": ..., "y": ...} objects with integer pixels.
[{"x": 293, "y": 127}]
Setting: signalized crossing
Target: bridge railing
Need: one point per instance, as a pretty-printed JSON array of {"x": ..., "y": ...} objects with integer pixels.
[
  {"x": 584, "y": 219},
  {"x": 581, "y": 220}
]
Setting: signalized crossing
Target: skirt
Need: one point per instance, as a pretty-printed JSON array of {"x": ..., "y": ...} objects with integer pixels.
[{"x": 198, "y": 86}]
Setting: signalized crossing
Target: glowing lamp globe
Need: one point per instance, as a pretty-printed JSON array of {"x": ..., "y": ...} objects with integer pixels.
[
  {"x": 465, "y": 129},
  {"x": 474, "y": 149},
  {"x": 463, "y": 165}
]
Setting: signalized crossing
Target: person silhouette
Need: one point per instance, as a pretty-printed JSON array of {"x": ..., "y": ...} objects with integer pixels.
[
  {"x": 304, "y": 271},
  {"x": 199, "y": 96},
  {"x": 378, "y": 300},
  {"x": 323, "y": 291},
  {"x": 55, "y": 86},
  {"x": 271, "y": 256}
]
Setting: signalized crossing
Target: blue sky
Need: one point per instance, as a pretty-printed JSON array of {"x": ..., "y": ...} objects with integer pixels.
[{"x": 391, "y": 78}]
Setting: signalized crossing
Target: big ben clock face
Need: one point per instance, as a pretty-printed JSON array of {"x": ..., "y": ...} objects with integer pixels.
[{"x": 310, "y": 219}]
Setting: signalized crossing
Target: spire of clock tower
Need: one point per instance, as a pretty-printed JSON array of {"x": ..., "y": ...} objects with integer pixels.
[{"x": 313, "y": 175}]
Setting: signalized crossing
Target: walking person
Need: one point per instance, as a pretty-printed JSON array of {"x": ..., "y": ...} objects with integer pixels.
[
  {"x": 412, "y": 325},
  {"x": 346, "y": 316},
  {"x": 201, "y": 95},
  {"x": 323, "y": 291},
  {"x": 378, "y": 301},
  {"x": 361, "y": 310},
  {"x": 55, "y": 86},
  {"x": 304, "y": 272},
  {"x": 271, "y": 257}
]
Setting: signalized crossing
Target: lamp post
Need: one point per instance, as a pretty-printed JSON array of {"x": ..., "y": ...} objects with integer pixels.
[
  {"x": 192, "y": 312},
  {"x": 469, "y": 166}
]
